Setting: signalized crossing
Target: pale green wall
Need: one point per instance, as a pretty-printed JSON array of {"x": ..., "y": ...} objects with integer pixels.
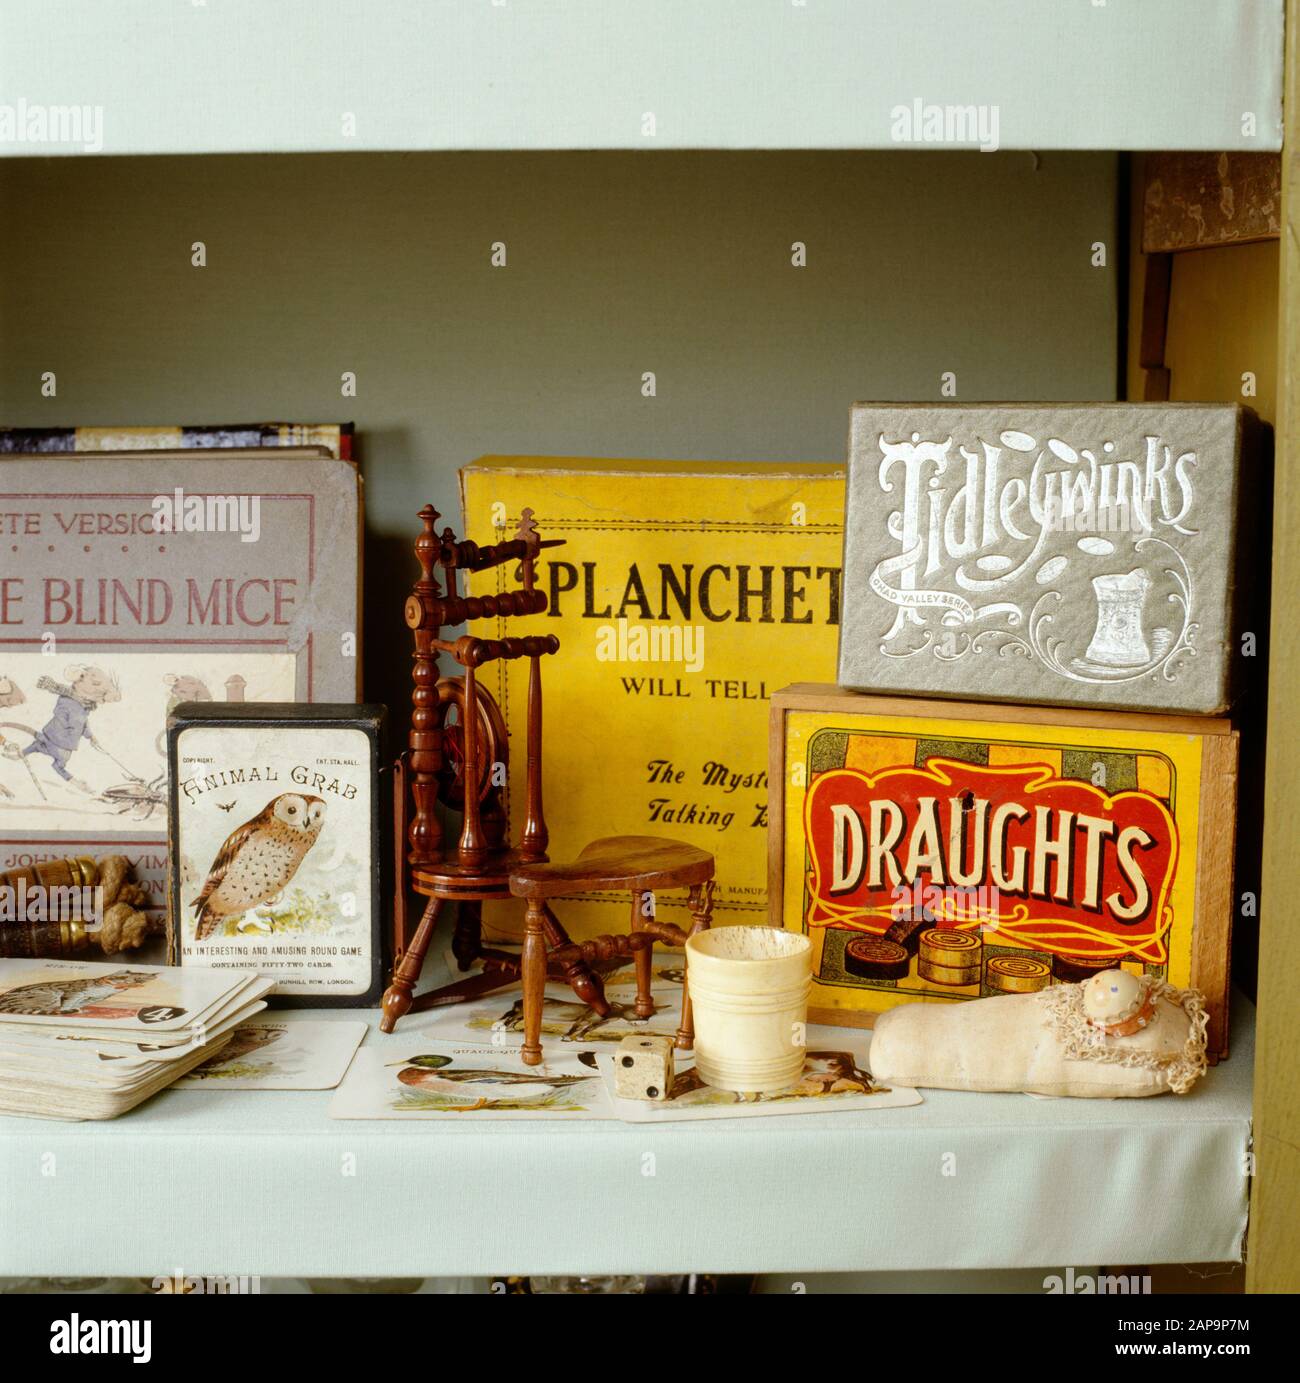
[{"x": 618, "y": 263}]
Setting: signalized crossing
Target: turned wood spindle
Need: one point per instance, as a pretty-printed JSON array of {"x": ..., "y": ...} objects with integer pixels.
[
  {"x": 574, "y": 962},
  {"x": 473, "y": 843},
  {"x": 425, "y": 761},
  {"x": 700, "y": 905},
  {"x": 535, "y": 837},
  {"x": 533, "y": 968},
  {"x": 644, "y": 961}
]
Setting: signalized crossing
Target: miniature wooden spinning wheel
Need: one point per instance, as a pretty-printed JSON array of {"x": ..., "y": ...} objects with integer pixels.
[
  {"x": 491, "y": 732},
  {"x": 459, "y": 756}
]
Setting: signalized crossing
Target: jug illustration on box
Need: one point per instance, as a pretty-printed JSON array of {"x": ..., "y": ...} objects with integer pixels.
[{"x": 1118, "y": 640}]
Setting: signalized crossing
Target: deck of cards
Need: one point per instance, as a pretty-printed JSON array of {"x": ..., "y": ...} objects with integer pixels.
[{"x": 86, "y": 1040}]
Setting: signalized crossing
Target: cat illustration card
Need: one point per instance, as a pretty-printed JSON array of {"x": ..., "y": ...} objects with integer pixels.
[
  {"x": 123, "y": 999},
  {"x": 280, "y": 1052},
  {"x": 276, "y": 862}
]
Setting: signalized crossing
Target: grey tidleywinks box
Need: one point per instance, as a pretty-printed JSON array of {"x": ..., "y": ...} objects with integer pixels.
[
  {"x": 1071, "y": 554},
  {"x": 132, "y": 582}
]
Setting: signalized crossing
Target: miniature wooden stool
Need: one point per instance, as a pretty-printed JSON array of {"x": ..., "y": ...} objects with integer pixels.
[{"x": 640, "y": 864}]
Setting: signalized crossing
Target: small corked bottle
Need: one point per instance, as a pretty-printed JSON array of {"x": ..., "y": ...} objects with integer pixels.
[{"x": 63, "y": 906}]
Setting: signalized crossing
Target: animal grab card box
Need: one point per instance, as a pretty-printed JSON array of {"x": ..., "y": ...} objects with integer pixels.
[
  {"x": 277, "y": 863},
  {"x": 941, "y": 852},
  {"x": 678, "y": 596}
]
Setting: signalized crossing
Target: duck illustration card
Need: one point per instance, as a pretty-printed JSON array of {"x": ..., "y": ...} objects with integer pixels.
[
  {"x": 429, "y": 1079},
  {"x": 1068, "y": 554},
  {"x": 275, "y": 835},
  {"x": 276, "y": 1052},
  {"x": 835, "y": 1077}
]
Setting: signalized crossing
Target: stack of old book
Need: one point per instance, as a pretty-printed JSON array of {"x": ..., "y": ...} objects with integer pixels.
[{"x": 81, "y": 1040}]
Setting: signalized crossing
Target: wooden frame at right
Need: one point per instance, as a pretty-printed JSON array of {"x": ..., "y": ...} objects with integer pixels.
[{"x": 1274, "y": 1245}]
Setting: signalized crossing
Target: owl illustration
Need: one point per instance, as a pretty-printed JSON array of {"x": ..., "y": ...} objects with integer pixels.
[{"x": 258, "y": 860}]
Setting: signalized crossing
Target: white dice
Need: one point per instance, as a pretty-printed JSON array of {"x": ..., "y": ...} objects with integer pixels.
[{"x": 643, "y": 1068}]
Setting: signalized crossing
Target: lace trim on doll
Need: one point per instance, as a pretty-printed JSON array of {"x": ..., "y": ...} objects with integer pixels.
[{"x": 1083, "y": 1042}]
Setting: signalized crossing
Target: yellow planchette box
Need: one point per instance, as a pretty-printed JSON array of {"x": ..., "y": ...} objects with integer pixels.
[
  {"x": 944, "y": 851},
  {"x": 685, "y": 594}
]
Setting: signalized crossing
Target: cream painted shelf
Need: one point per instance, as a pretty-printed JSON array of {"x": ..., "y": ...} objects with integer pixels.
[
  {"x": 267, "y": 1184},
  {"x": 223, "y": 76}
]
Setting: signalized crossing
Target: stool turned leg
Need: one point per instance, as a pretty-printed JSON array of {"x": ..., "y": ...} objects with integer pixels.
[
  {"x": 701, "y": 908},
  {"x": 579, "y": 976},
  {"x": 397, "y": 997},
  {"x": 644, "y": 962},
  {"x": 534, "y": 978}
]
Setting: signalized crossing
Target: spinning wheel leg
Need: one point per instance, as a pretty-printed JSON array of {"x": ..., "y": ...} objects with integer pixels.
[
  {"x": 534, "y": 977},
  {"x": 397, "y": 997},
  {"x": 581, "y": 978},
  {"x": 468, "y": 936},
  {"x": 701, "y": 906},
  {"x": 462, "y": 991}
]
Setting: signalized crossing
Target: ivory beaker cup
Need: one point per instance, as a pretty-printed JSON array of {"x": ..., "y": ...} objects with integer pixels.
[{"x": 749, "y": 991}]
